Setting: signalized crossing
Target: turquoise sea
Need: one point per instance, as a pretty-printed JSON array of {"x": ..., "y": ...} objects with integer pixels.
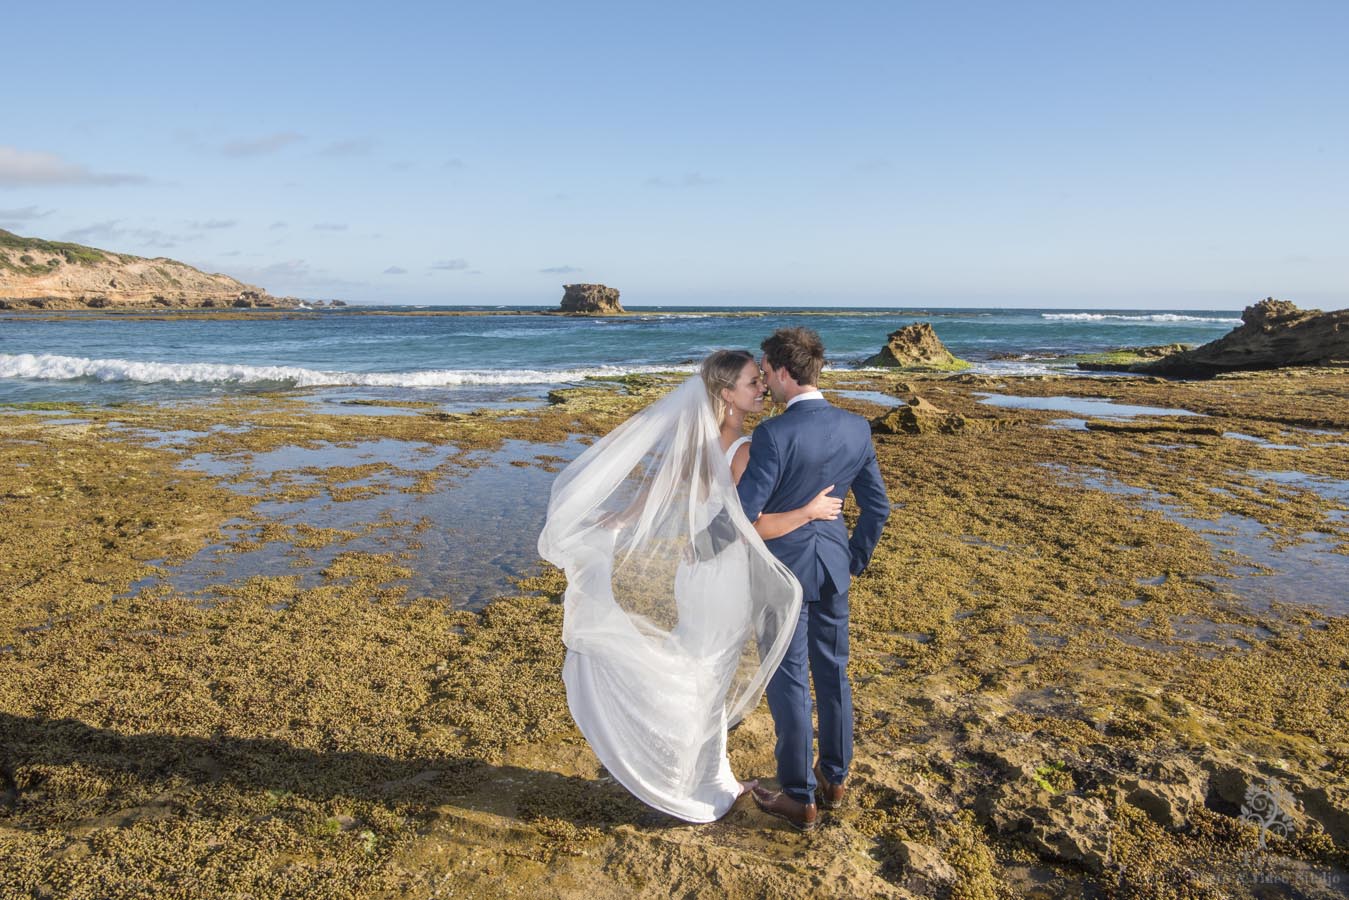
[{"x": 371, "y": 352}]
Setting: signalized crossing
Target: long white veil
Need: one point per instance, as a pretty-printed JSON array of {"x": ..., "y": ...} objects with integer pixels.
[{"x": 675, "y": 613}]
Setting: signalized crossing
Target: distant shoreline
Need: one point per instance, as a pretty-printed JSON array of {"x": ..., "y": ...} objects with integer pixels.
[{"x": 184, "y": 313}]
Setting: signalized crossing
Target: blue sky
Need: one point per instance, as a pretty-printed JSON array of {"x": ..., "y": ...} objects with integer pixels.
[{"x": 1168, "y": 155}]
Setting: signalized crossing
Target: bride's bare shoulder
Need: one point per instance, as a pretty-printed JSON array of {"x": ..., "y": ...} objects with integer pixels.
[{"x": 739, "y": 461}]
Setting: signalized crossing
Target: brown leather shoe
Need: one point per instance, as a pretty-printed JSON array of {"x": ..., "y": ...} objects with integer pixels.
[
  {"x": 801, "y": 816},
  {"x": 830, "y": 794}
]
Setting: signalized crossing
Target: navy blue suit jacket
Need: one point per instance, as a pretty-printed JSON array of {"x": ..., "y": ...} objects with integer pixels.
[{"x": 794, "y": 456}]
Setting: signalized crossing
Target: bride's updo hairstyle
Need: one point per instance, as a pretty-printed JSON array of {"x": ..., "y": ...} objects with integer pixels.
[{"x": 722, "y": 370}]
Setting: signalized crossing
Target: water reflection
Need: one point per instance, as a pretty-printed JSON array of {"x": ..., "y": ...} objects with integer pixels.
[
  {"x": 465, "y": 540},
  {"x": 1096, "y": 407},
  {"x": 876, "y": 397},
  {"x": 1308, "y": 571}
]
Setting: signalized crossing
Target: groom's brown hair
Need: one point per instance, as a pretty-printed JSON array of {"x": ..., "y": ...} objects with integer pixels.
[{"x": 798, "y": 350}]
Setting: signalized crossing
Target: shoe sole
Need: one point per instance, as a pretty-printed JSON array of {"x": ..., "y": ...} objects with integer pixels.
[
  {"x": 799, "y": 826},
  {"x": 808, "y": 826}
]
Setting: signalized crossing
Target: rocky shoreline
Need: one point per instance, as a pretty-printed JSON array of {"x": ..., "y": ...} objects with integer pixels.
[
  {"x": 1273, "y": 334},
  {"x": 1063, "y": 685}
]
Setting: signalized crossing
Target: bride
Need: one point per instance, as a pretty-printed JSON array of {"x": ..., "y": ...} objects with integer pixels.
[{"x": 675, "y": 613}]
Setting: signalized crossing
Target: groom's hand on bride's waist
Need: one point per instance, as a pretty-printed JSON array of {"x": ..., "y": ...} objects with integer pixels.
[{"x": 719, "y": 534}]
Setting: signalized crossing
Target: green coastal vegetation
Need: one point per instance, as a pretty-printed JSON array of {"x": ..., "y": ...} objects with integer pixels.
[{"x": 35, "y": 256}]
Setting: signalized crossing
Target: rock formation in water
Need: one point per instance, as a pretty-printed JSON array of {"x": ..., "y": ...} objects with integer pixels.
[
  {"x": 1273, "y": 334},
  {"x": 918, "y": 416},
  {"x": 39, "y": 274},
  {"x": 1122, "y": 357},
  {"x": 590, "y": 299},
  {"x": 916, "y": 346}
]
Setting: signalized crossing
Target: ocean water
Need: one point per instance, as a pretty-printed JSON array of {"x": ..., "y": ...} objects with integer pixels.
[{"x": 483, "y": 358}]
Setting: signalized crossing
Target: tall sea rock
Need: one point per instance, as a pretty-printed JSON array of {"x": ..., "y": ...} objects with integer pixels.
[
  {"x": 916, "y": 346},
  {"x": 590, "y": 299}
]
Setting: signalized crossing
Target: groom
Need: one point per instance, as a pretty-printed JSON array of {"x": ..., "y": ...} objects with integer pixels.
[{"x": 810, "y": 446}]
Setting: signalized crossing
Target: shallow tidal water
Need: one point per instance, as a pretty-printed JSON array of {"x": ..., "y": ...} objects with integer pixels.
[
  {"x": 1265, "y": 569},
  {"x": 1090, "y": 630},
  {"x": 467, "y": 540}
]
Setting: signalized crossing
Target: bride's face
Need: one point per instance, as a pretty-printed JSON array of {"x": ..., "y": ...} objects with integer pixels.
[{"x": 748, "y": 394}]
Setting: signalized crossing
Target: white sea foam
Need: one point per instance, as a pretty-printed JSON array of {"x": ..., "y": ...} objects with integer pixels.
[
  {"x": 1152, "y": 317},
  {"x": 1013, "y": 367},
  {"x": 501, "y": 333},
  {"x": 63, "y": 368}
]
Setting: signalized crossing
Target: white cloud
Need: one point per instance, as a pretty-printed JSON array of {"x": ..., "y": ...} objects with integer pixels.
[
  {"x": 451, "y": 265},
  {"x": 110, "y": 231},
  {"x": 873, "y": 166},
  {"x": 352, "y": 147},
  {"x": 688, "y": 180},
  {"x": 23, "y": 214},
  {"x": 330, "y": 226},
  {"x": 395, "y": 270},
  {"x": 99, "y": 230},
  {"x": 559, "y": 270},
  {"x": 259, "y": 146},
  {"x": 294, "y": 277},
  {"x": 22, "y": 168}
]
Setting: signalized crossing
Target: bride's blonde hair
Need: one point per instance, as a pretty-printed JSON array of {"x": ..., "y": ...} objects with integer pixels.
[{"x": 721, "y": 370}]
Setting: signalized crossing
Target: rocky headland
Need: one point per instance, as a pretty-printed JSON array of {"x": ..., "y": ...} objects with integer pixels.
[
  {"x": 40, "y": 274},
  {"x": 590, "y": 299},
  {"x": 916, "y": 346},
  {"x": 1273, "y": 334}
]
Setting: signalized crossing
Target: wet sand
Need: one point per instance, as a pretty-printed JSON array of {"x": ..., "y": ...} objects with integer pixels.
[{"x": 247, "y": 649}]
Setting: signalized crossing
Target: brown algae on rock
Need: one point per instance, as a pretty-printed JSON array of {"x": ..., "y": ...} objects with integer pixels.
[{"x": 1060, "y": 685}]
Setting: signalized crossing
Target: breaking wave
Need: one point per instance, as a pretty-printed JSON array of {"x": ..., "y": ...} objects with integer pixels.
[
  {"x": 1149, "y": 317},
  {"x": 65, "y": 368}
]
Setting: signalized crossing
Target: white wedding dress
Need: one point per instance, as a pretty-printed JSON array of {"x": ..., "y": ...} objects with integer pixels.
[{"x": 675, "y": 613}]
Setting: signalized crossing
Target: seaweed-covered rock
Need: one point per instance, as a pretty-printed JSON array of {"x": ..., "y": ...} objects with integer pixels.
[
  {"x": 1123, "y": 357},
  {"x": 918, "y": 346},
  {"x": 1167, "y": 789},
  {"x": 590, "y": 299},
  {"x": 1067, "y": 827},
  {"x": 924, "y": 863},
  {"x": 1274, "y": 334},
  {"x": 918, "y": 416}
]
